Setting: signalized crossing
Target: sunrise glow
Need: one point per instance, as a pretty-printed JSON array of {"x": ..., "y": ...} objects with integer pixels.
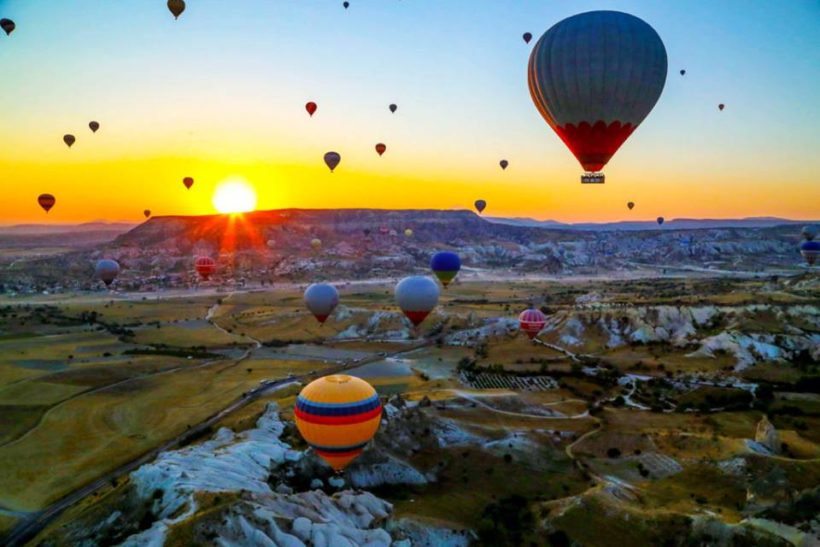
[{"x": 234, "y": 196}]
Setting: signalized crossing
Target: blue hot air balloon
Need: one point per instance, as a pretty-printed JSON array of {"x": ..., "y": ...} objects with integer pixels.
[
  {"x": 810, "y": 250},
  {"x": 445, "y": 265}
]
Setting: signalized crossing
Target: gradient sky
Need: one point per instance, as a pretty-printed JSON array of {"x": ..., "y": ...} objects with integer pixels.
[{"x": 220, "y": 93}]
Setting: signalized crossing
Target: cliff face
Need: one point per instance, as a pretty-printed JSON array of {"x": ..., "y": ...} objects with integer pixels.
[{"x": 766, "y": 435}]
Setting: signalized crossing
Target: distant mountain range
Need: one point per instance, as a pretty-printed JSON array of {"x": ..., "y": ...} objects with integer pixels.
[
  {"x": 669, "y": 224},
  {"x": 85, "y": 227}
]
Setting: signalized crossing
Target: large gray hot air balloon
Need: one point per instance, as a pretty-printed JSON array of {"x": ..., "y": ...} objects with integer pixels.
[
  {"x": 321, "y": 299},
  {"x": 594, "y": 77},
  {"x": 417, "y": 296},
  {"x": 107, "y": 271}
]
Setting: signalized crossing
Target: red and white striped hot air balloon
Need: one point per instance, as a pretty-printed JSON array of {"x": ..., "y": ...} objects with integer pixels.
[
  {"x": 531, "y": 322},
  {"x": 594, "y": 77},
  {"x": 205, "y": 266}
]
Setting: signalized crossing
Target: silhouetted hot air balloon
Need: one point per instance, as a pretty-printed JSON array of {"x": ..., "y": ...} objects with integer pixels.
[
  {"x": 503, "y": 164},
  {"x": 682, "y": 72},
  {"x": 188, "y": 182},
  {"x": 380, "y": 148},
  {"x": 7, "y": 25},
  {"x": 630, "y": 205},
  {"x": 527, "y": 37},
  {"x": 480, "y": 205},
  {"x": 176, "y": 7},
  {"x": 147, "y": 213},
  {"x": 316, "y": 243},
  {"x": 408, "y": 232},
  {"x": 366, "y": 232},
  {"x": 94, "y": 126},
  {"x": 445, "y": 265},
  {"x": 531, "y": 322},
  {"x": 205, "y": 266},
  {"x": 107, "y": 271},
  {"x": 660, "y": 221},
  {"x": 417, "y": 296},
  {"x": 332, "y": 160},
  {"x": 721, "y": 106},
  {"x": 594, "y": 77},
  {"x": 321, "y": 299},
  {"x": 346, "y": 4},
  {"x": 311, "y": 108},
  {"x": 393, "y": 108},
  {"x": 69, "y": 140},
  {"x": 809, "y": 232},
  {"x": 46, "y": 201},
  {"x": 337, "y": 415},
  {"x": 810, "y": 251}
]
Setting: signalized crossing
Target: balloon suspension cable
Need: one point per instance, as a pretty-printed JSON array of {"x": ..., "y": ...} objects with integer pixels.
[{"x": 593, "y": 178}]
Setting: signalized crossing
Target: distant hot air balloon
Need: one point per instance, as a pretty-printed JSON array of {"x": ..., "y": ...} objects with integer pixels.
[
  {"x": 321, "y": 299},
  {"x": 147, "y": 213},
  {"x": 176, "y": 7},
  {"x": 682, "y": 72},
  {"x": 94, "y": 126},
  {"x": 594, "y": 77},
  {"x": 393, "y": 108},
  {"x": 631, "y": 205},
  {"x": 809, "y": 232},
  {"x": 503, "y": 164},
  {"x": 346, "y": 4},
  {"x": 380, "y": 148},
  {"x": 527, "y": 37},
  {"x": 188, "y": 182},
  {"x": 445, "y": 265},
  {"x": 205, "y": 266},
  {"x": 366, "y": 232},
  {"x": 480, "y": 205},
  {"x": 311, "y": 108},
  {"x": 417, "y": 296},
  {"x": 337, "y": 415},
  {"x": 46, "y": 201},
  {"x": 316, "y": 243},
  {"x": 660, "y": 221},
  {"x": 107, "y": 271},
  {"x": 531, "y": 322},
  {"x": 408, "y": 232},
  {"x": 810, "y": 251},
  {"x": 332, "y": 160},
  {"x": 7, "y": 25},
  {"x": 721, "y": 106},
  {"x": 69, "y": 140}
]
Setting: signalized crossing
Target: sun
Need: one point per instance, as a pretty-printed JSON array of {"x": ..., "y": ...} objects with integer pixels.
[{"x": 234, "y": 196}]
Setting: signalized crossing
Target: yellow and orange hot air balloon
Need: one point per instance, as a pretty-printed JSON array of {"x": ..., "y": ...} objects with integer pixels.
[{"x": 337, "y": 415}]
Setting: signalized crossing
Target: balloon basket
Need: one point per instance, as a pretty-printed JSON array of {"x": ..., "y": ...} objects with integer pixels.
[{"x": 593, "y": 178}]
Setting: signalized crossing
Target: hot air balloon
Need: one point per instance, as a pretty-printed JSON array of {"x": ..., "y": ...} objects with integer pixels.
[
  {"x": 107, "y": 271},
  {"x": 147, "y": 213},
  {"x": 408, "y": 232},
  {"x": 380, "y": 148},
  {"x": 660, "y": 221},
  {"x": 205, "y": 266},
  {"x": 332, "y": 160},
  {"x": 594, "y": 77},
  {"x": 176, "y": 7},
  {"x": 445, "y": 265},
  {"x": 188, "y": 182},
  {"x": 7, "y": 25},
  {"x": 810, "y": 251},
  {"x": 337, "y": 415},
  {"x": 393, "y": 108},
  {"x": 321, "y": 299},
  {"x": 311, "y": 108},
  {"x": 69, "y": 140},
  {"x": 316, "y": 243},
  {"x": 630, "y": 205},
  {"x": 721, "y": 106},
  {"x": 366, "y": 232},
  {"x": 531, "y": 322},
  {"x": 503, "y": 164},
  {"x": 480, "y": 205},
  {"x": 46, "y": 201},
  {"x": 346, "y": 4},
  {"x": 682, "y": 72},
  {"x": 527, "y": 37},
  {"x": 94, "y": 126},
  {"x": 417, "y": 296},
  {"x": 809, "y": 232}
]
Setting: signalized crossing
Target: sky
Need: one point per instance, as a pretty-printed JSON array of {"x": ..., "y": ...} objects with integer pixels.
[{"x": 219, "y": 94}]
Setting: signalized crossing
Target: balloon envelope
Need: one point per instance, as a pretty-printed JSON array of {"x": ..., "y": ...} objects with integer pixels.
[
  {"x": 594, "y": 77},
  {"x": 316, "y": 243},
  {"x": 527, "y": 37},
  {"x": 480, "y": 205},
  {"x": 380, "y": 148},
  {"x": 94, "y": 126},
  {"x": 205, "y": 266},
  {"x": 810, "y": 251},
  {"x": 809, "y": 231},
  {"x": 107, "y": 271},
  {"x": 332, "y": 160},
  {"x": 176, "y": 7},
  {"x": 69, "y": 140},
  {"x": 337, "y": 415},
  {"x": 721, "y": 106},
  {"x": 531, "y": 322},
  {"x": 346, "y": 4},
  {"x": 46, "y": 201},
  {"x": 147, "y": 213},
  {"x": 417, "y": 296},
  {"x": 631, "y": 205},
  {"x": 660, "y": 221},
  {"x": 503, "y": 164},
  {"x": 188, "y": 182},
  {"x": 682, "y": 72},
  {"x": 408, "y": 232},
  {"x": 321, "y": 299},
  {"x": 393, "y": 108},
  {"x": 7, "y": 25},
  {"x": 311, "y": 108},
  {"x": 445, "y": 265}
]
